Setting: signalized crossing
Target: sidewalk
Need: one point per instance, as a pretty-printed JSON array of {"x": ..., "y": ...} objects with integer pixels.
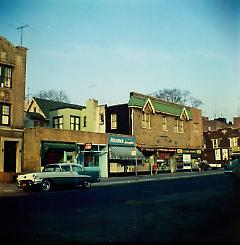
[{"x": 8, "y": 188}]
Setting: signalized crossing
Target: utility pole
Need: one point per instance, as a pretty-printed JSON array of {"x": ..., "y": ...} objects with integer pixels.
[{"x": 21, "y": 28}]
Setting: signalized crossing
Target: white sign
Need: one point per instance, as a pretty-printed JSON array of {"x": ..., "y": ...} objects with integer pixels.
[{"x": 186, "y": 157}]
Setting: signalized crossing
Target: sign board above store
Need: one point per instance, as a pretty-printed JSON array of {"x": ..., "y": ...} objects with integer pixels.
[{"x": 121, "y": 140}]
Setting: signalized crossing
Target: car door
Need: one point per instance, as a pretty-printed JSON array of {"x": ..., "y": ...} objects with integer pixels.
[{"x": 80, "y": 175}]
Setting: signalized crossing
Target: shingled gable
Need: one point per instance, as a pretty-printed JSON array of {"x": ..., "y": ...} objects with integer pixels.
[
  {"x": 47, "y": 105},
  {"x": 161, "y": 106}
]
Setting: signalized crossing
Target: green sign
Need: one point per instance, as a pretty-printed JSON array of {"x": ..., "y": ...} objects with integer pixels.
[{"x": 120, "y": 140}]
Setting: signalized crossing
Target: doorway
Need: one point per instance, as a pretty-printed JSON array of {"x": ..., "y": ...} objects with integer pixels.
[{"x": 10, "y": 156}]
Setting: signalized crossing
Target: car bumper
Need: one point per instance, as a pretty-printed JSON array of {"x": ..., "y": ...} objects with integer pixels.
[{"x": 27, "y": 184}]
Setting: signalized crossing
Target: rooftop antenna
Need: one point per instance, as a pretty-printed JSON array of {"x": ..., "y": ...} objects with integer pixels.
[{"x": 21, "y": 28}]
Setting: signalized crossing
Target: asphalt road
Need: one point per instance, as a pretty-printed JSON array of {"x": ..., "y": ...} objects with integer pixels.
[{"x": 199, "y": 209}]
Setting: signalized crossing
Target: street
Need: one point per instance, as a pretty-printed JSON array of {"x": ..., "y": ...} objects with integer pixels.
[{"x": 199, "y": 209}]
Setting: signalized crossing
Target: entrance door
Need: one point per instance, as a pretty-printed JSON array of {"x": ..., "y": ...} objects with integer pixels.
[{"x": 10, "y": 156}]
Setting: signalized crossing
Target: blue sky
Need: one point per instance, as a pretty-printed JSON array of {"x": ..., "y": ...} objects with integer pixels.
[{"x": 106, "y": 49}]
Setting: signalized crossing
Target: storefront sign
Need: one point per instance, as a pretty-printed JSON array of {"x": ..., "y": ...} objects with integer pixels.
[{"x": 123, "y": 141}]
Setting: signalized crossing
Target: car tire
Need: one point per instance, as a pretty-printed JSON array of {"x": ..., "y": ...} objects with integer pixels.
[
  {"x": 46, "y": 185},
  {"x": 86, "y": 184}
]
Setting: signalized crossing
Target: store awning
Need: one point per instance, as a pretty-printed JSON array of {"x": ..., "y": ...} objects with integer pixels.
[
  {"x": 57, "y": 146},
  {"x": 124, "y": 153}
]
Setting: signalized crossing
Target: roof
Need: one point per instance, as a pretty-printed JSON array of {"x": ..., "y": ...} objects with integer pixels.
[
  {"x": 162, "y": 106},
  {"x": 35, "y": 116},
  {"x": 48, "y": 105}
]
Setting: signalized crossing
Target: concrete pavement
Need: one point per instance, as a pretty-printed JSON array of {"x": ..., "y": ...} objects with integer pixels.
[{"x": 10, "y": 188}]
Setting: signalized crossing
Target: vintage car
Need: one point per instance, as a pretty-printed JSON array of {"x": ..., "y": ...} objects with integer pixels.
[
  {"x": 59, "y": 174},
  {"x": 233, "y": 170}
]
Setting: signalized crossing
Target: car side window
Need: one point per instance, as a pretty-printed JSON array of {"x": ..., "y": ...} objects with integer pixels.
[
  {"x": 77, "y": 169},
  {"x": 66, "y": 168},
  {"x": 48, "y": 169},
  {"x": 57, "y": 169}
]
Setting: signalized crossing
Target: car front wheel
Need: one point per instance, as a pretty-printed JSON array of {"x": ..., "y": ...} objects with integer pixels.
[
  {"x": 46, "y": 185},
  {"x": 86, "y": 184}
]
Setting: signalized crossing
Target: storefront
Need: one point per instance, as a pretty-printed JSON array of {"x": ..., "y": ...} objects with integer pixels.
[
  {"x": 124, "y": 157},
  {"x": 186, "y": 156},
  {"x": 93, "y": 156},
  {"x": 57, "y": 152},
  {"x": 163, "y": 157}
]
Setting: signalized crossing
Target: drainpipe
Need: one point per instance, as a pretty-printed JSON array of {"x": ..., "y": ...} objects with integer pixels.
[{"x": 132, "y": 121}]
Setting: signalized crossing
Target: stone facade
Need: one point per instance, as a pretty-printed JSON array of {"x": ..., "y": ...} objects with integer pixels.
[{"x": 12, "y": 93}]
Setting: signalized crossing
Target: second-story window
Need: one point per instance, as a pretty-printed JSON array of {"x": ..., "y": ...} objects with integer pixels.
[
  {"x": 233, "y": 142},
  {"x": 84, "y": 121},
  {"x": 165, "y": 124},
  {"x": 215, "y": 143},
  {"x": 4, "y": 114},
  {"x": 181, "y": 127},
  {"x": 58, "y": 122},
  {"x": 195, "y": 128},
  {"x": 146, "y": 120},
  {"x": 5, "y": 76},
  {"x": 176, "y": 125},
  {"x": 74, "y": 123},
  {"x": 113, "y": 121},
  {"x": 101, "y": 118}
]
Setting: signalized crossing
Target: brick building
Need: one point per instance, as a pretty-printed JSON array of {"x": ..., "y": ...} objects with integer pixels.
[
  {"x": 162, "y": 129},
  {"x": 59, "y": 145},
  {"x": 12, "y": 93},
  {"x": 221, "y": 140}
]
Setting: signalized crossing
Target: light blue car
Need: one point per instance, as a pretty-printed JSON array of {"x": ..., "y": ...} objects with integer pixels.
[{"x": 59, "y": 174}]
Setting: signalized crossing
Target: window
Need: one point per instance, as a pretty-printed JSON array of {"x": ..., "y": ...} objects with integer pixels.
[
  {"x": 215, "y": 143},
  {"x": 164, "y": 120},
  {"x": 4, "y": 114},
  {"x": 146, "y": 123},
  {"x": 74, "y": 123},
  {"x": 58, "y": 122},
  {"x": 195, "y": 128},
  {"x": 176, "y": 125},
  {"x": 233, "y": 141},
  {"x": 84, "y": 121},
  {"x": 5, "y": 76},
  {"x": 113, "y": 121},
  {"x": 101, "y": 118},
  {"x": 181, "y": 127}
]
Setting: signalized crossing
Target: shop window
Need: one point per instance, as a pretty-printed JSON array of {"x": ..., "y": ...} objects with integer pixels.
[
  {"x": 74, "y": 123},
  {"x": 113, "y": 121},
  {"x": 4, "y": 114},
  {"x": 58, "y": 122},
  {"x": 5, "y": 76}
]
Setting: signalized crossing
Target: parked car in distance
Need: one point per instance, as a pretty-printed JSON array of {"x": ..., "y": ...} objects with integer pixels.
[{"x": 59, "y": 174}]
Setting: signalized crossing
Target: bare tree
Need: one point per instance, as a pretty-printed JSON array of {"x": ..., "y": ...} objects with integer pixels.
[
  {"x": 57, "y": 95},
  {"x": 178, "y": 96}
]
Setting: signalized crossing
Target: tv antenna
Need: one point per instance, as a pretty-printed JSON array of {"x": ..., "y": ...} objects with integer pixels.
[{"x": 21, "y": 28}]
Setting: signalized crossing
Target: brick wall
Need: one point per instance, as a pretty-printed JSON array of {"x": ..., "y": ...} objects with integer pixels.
[{"x": 34, "y": 136}]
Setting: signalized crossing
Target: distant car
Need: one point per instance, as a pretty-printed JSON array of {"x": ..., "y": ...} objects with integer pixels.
[{"x": 59, "y": 174}]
